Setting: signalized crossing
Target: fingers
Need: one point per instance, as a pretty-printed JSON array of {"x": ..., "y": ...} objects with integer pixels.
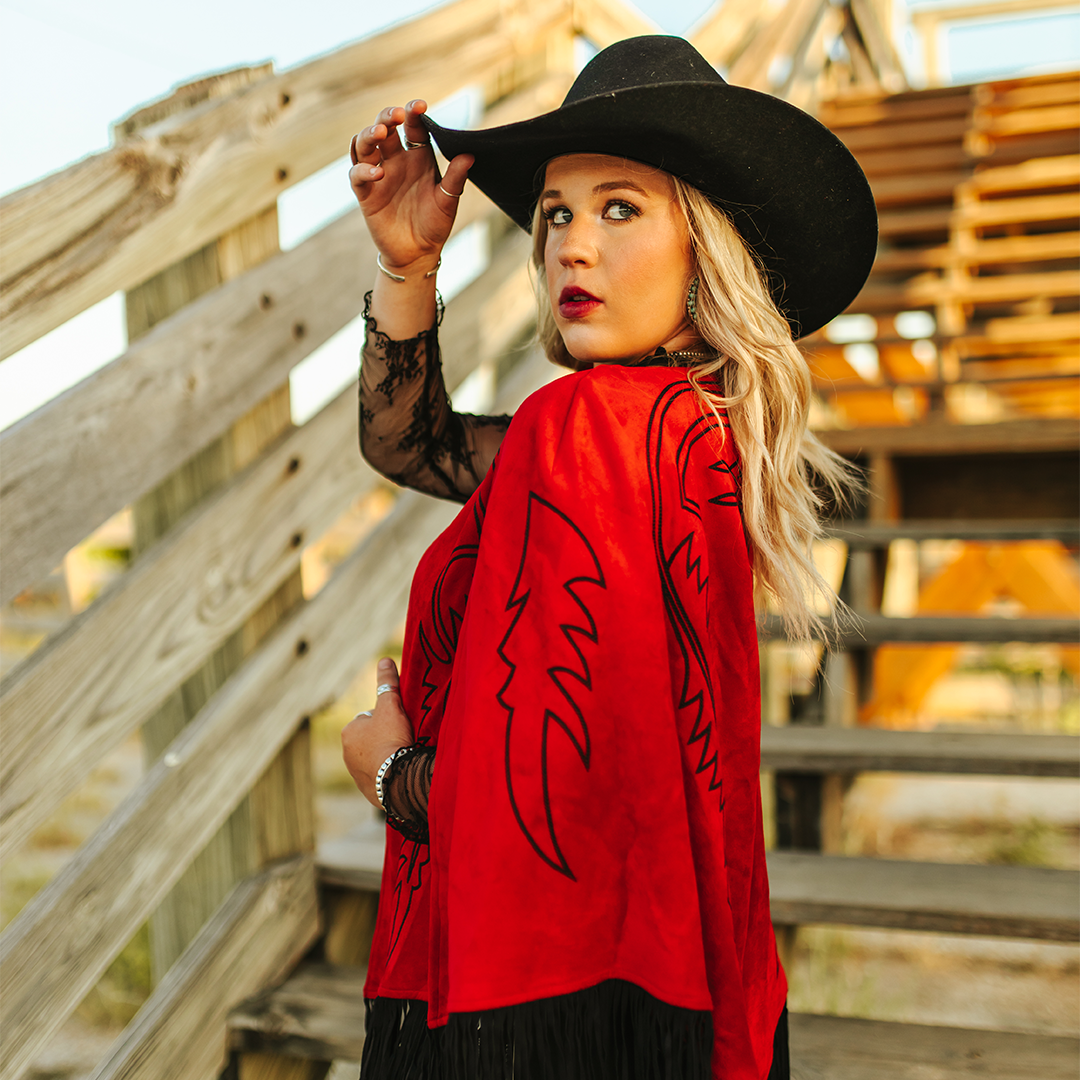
[
  {"x": 389, "y": 681},
  {"x": 412, "y": 129},
  {"x": 452, "y": 184}
]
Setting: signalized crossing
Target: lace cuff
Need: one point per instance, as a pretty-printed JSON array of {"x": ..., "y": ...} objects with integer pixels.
[
  {"x": 406, "y": 787},
  {"x": 408, "y": 428}
]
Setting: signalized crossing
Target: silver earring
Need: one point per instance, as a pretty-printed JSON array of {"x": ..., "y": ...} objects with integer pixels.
[{"x": 691, "y": 300}]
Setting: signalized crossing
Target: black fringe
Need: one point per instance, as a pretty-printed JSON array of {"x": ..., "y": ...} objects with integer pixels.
[{"x": 614, "y": 1031}]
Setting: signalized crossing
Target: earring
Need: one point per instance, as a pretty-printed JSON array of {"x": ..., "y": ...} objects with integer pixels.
[{"x": 691, "y": 300}]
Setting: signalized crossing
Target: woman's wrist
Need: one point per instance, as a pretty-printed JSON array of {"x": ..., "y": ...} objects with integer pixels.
[{"x": 422, "y": 267}]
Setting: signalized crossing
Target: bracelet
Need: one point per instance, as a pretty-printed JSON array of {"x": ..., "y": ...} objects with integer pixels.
[
  {"x": 383, "y": 768},
  {"x": 399, "y": 277}
]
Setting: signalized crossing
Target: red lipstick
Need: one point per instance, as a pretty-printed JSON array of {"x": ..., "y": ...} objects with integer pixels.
[{"x": 576, "y": 303}]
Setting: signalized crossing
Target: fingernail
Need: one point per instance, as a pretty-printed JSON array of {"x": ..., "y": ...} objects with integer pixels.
[{"x": 411, "y": 104}]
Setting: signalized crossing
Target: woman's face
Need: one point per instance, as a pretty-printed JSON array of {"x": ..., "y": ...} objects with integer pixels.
[{"x": 617, "y": 257}]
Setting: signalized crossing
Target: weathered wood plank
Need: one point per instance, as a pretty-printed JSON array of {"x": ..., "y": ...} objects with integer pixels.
[
  {"x": 877, "y": 534},
  {"x": 846, "y": 1048},
  {"x": 874, "y": 629},
  {"x": 72, "y": 700},
  {"x": 117, "y": 218},
  {"x": 318, "y": 1013},
  {"x": 56, "y": 949},
  {"x": 934, "y": 439},
  {"x": 139, "y": 418},
  {"x": 604, "y": 22},
  {"x": 315, "y": 1012},
  {"x": 58, "y": 946},
  {"x": 999, "y": 901},
  {"x": 803, "y": 748},
  {"x": 255, "y": 938}
]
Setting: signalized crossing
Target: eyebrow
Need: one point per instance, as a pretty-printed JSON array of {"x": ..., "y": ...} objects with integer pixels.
[{"x": 608, "y": 185}]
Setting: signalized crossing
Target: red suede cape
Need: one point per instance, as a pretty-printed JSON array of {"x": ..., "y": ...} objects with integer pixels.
[{"x": 581, "y": 648}]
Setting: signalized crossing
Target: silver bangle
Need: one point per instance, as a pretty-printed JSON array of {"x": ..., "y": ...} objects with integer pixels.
[
  {"x": 399, "y": 277},
  {"x": 382, "y": 773}
]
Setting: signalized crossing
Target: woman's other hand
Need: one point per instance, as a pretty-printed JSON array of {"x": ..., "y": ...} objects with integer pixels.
[
  {"x": 371, "y": 737},
  {"x": 409, "y": 208}
]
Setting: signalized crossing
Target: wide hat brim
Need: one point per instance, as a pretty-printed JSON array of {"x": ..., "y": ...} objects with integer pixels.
[{"x": 792, "y": 189}]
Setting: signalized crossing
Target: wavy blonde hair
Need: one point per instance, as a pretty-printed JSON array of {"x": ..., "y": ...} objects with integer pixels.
[{"x": 766, "y": 394}]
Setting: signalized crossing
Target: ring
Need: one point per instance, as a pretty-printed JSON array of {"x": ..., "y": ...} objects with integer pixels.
[
  {"x": 410, "y": 145},
  {"x": 366, "y": 712},
  {"x": 449, "y": 193},
  {"x": 384, "y": 688}
]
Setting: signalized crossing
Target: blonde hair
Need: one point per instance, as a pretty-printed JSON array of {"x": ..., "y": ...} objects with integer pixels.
[{"x": 766, "y": 394}]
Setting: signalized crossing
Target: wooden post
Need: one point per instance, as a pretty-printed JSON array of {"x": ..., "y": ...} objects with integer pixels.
[{"x": 277, "y": 818}]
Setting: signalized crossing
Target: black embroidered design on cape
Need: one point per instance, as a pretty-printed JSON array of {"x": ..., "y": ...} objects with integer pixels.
[
  {"x": 529, "y": 721},
  {"x": 438, "y": 639},
  {"x": 680, "y": 569}
]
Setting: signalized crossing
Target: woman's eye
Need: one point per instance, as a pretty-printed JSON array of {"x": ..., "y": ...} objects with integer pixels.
[
  {"x": 559, "y": 216},
  {"x": 621, "y": 211}
]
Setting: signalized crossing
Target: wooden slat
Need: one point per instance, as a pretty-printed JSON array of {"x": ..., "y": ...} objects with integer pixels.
[
  {"x": 1001, "y": 288},
  {"x": 72, "y": 700},
  {"x": 879, "y": 534},
  {"x": 919, "y": 133},
  {"x": 918, "y": 222},
  {"x": 873, "y": 629},
  {"x": 1004, "y": 437},
  {"x": 845, "y": 1048},
  {"x": 254, "y": 939},
  {"x": 908, "y": 190},
  {"x": 604, "y": 22},
  {"x": 138, "y": 419},
  {"x": 840, "y": 114},
  {"x": 913, "y": 159},
  {"x": 1027, "y": 121},
  {"x": 59, "y": 945},
  {"x": 61, "y": 942},
  {"x": 975, "y": 215},
  {"x": 806, "y": 748},
  {"x": 119, "y": 217},
  {"x": 1035, "y": 173},
  {"x": 725, "y": 31},
  {"x": 315, "y": 1014},
  {"x": 999, "y": 901}
]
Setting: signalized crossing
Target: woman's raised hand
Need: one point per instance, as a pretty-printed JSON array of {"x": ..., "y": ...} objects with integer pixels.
[{"x": 409, "y": 208}]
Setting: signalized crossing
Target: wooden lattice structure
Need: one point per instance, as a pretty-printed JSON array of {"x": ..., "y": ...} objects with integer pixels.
[{"x": 208, "y": 644}]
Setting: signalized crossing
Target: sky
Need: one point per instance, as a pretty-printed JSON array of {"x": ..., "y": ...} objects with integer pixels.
[{"x": 69, "y": 68}]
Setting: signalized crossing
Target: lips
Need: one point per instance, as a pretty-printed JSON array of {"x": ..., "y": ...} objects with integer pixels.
[{"x": 576, "y": 303}]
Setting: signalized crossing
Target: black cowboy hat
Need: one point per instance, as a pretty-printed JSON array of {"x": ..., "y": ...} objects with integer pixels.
[{"x": 792, "y": 189}]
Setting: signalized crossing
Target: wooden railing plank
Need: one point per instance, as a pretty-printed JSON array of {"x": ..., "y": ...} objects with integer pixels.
[
  {"x": 1003, "y": 901},
  {"x": 878, "y": 534},
  {"x": 813, "y": 748},
  {"x": 135, "y": 421},
  {"x": 1008, "y": 436},
  {"x": 72, "y": 701},
  {"x": 116, "y": 219},
  {"x": 55, "y": 950},
  {"x": 60, "y": 943},
  {"x": 255, "y": 938},
  {"x": 604, "y": 22}
]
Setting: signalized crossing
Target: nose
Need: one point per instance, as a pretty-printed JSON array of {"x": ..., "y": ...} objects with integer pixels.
[{"x": 578, "y": 243}]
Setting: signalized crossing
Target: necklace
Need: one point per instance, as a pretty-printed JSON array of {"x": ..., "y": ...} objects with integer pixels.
[{"x": 693, "y": 354}]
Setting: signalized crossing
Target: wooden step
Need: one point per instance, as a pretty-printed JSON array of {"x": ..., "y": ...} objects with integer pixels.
[
  {"x": 878, "y": 629},
  {"x": 843, "y": 1048},
  {"x": 812, "y": 748},
  {"x": 999, "y": 901},
  {"x": 875, "y": 534},
  {"x": 992, "y": 901},
  {"x": 319, "y": 1014}
]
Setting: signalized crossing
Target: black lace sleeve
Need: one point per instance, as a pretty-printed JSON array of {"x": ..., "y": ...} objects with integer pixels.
[
  {"x": 408, "y": 429},
  {"x": 406, "y": 786}
]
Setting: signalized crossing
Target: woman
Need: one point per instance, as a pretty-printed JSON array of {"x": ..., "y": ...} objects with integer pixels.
[{"x": 578, "y": 890}]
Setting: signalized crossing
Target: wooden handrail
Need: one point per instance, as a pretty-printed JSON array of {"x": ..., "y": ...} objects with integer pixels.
[{"x": 115, "y": 219}]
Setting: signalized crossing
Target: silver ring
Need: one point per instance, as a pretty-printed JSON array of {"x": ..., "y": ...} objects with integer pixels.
[
  {"x": 448, "y": 193},
  {"x": 384, "y": 688},
  {"x": 366, "y": 712},
  {"x": 410, "y": 145}
]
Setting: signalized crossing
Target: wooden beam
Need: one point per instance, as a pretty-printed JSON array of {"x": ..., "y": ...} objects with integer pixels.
[
  {"x": 989, "y": 9},
  {"x": 876, "y": 534},
  {"x": 117, "y": 218},
  {"x": 846, "y": 1048},
  {"x": 1017, "y": 436},
  {"x": 725, "y": 31},
  {"x": 59, "y": 945},
  {"x": 71, "y": 701},
  {"x": 254, "y": 939},
  {"x": 1000, "y": 901},
  {"x": 871, "y": 629},
  {"x": 313, "y": 1015},
  {"x": 906, "y": 133},
  {"x": 179, "y": 388},
  {"x": 604, "y": 22},
  {"x": 806, "y": 748}
]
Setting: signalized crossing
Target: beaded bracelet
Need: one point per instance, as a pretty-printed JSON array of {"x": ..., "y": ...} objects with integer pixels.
[{"x": 383, "y": 768}]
